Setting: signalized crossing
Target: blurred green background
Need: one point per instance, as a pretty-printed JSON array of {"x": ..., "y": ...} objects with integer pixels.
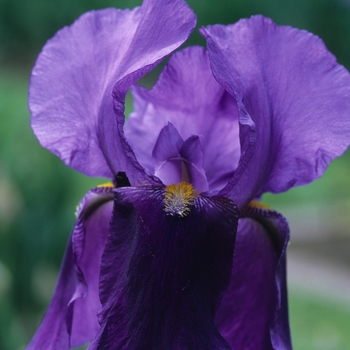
[{"x": 38, "y": 194}]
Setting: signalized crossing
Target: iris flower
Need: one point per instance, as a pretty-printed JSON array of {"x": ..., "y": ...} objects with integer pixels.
[{"x": 177, "y": 253}]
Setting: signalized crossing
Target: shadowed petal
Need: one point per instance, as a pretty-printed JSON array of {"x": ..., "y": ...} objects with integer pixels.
[
  {"x": 293, "y": 100},
  {"x": 71, "y": 318},
  {"x": 192, "y": 151},
  {"x": 89, "y": 240},
  {"x": 71, "y": 85},
  {"x": 162, "y": 277},
  {"x": 176, "y": 160},
  {"x": 188, "y": 96},
  {"x": 166, "y": 155},
  {"x": 254, "y": 313}
]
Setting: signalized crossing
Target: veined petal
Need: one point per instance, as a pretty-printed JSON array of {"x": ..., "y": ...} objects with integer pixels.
[
  {"x": 293, "y": 99},
  {"x": 72, "y": 82},
  {"x": 188, "y": 96},
  {"x": 162, "y": 276},
  {"x": 254, "y": 312},
  {"x": 71, "y": 318}
]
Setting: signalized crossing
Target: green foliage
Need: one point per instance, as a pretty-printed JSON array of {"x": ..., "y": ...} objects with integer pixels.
[{"x": 318, "y": 323}]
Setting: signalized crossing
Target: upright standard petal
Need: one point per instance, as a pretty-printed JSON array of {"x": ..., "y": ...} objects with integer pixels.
[
  {"x": 188, "y": 96},
  {"x": 71, "y": 318},
  {"x": 162, "y": 276},
  {"x": 254, "y": 311},
  {"x": 293, "y": 100},
  {"x": 70, "y": 95}
]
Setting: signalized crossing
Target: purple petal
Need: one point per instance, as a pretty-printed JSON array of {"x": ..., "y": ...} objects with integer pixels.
[
  {"x": 71, "y": 85},
  {"x": 166, "y": 155},
  {"x": 189, "y": 97},
  {"x": 293, "y": 100},
  {"x": 89, "y": 239},
  {"x": 176, "y": 160},
  {"x": 192, "y": 151},
  {"x": 52, "y": 333},
  {"x": 71, "y": 318},
  {"x": 168, "y": 145},
  {"x": 254, "y": 313},
  {"x": 162, "y": 277}
]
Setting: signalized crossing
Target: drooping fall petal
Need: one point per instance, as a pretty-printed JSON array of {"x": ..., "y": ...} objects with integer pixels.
[
  {"x": 254, "y": 313},
  {"x": 163, "y": 276},
  {"x": 71, "y": 318}
]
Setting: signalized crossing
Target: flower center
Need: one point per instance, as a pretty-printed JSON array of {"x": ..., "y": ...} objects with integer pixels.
[{"x": 179, "y": 199}]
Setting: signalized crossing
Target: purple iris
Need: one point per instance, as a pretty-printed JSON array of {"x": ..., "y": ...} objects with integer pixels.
[{"x": 177, "y": 254}]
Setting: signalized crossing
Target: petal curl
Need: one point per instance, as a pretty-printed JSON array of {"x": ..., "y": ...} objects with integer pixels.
[
  {"x": 162, "y": 277},
  {"x": 168, "y": 146},
  {"x": 293, "y": 99},
  {"x": 72, "y": 82},
  {"x": 188, "y": 96},
  {"x": 176, "y": 160},
  {"x": 71, "y": 318},
  {"x": 254, "y": 312},
  {"x": 192, "y": 151}
]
